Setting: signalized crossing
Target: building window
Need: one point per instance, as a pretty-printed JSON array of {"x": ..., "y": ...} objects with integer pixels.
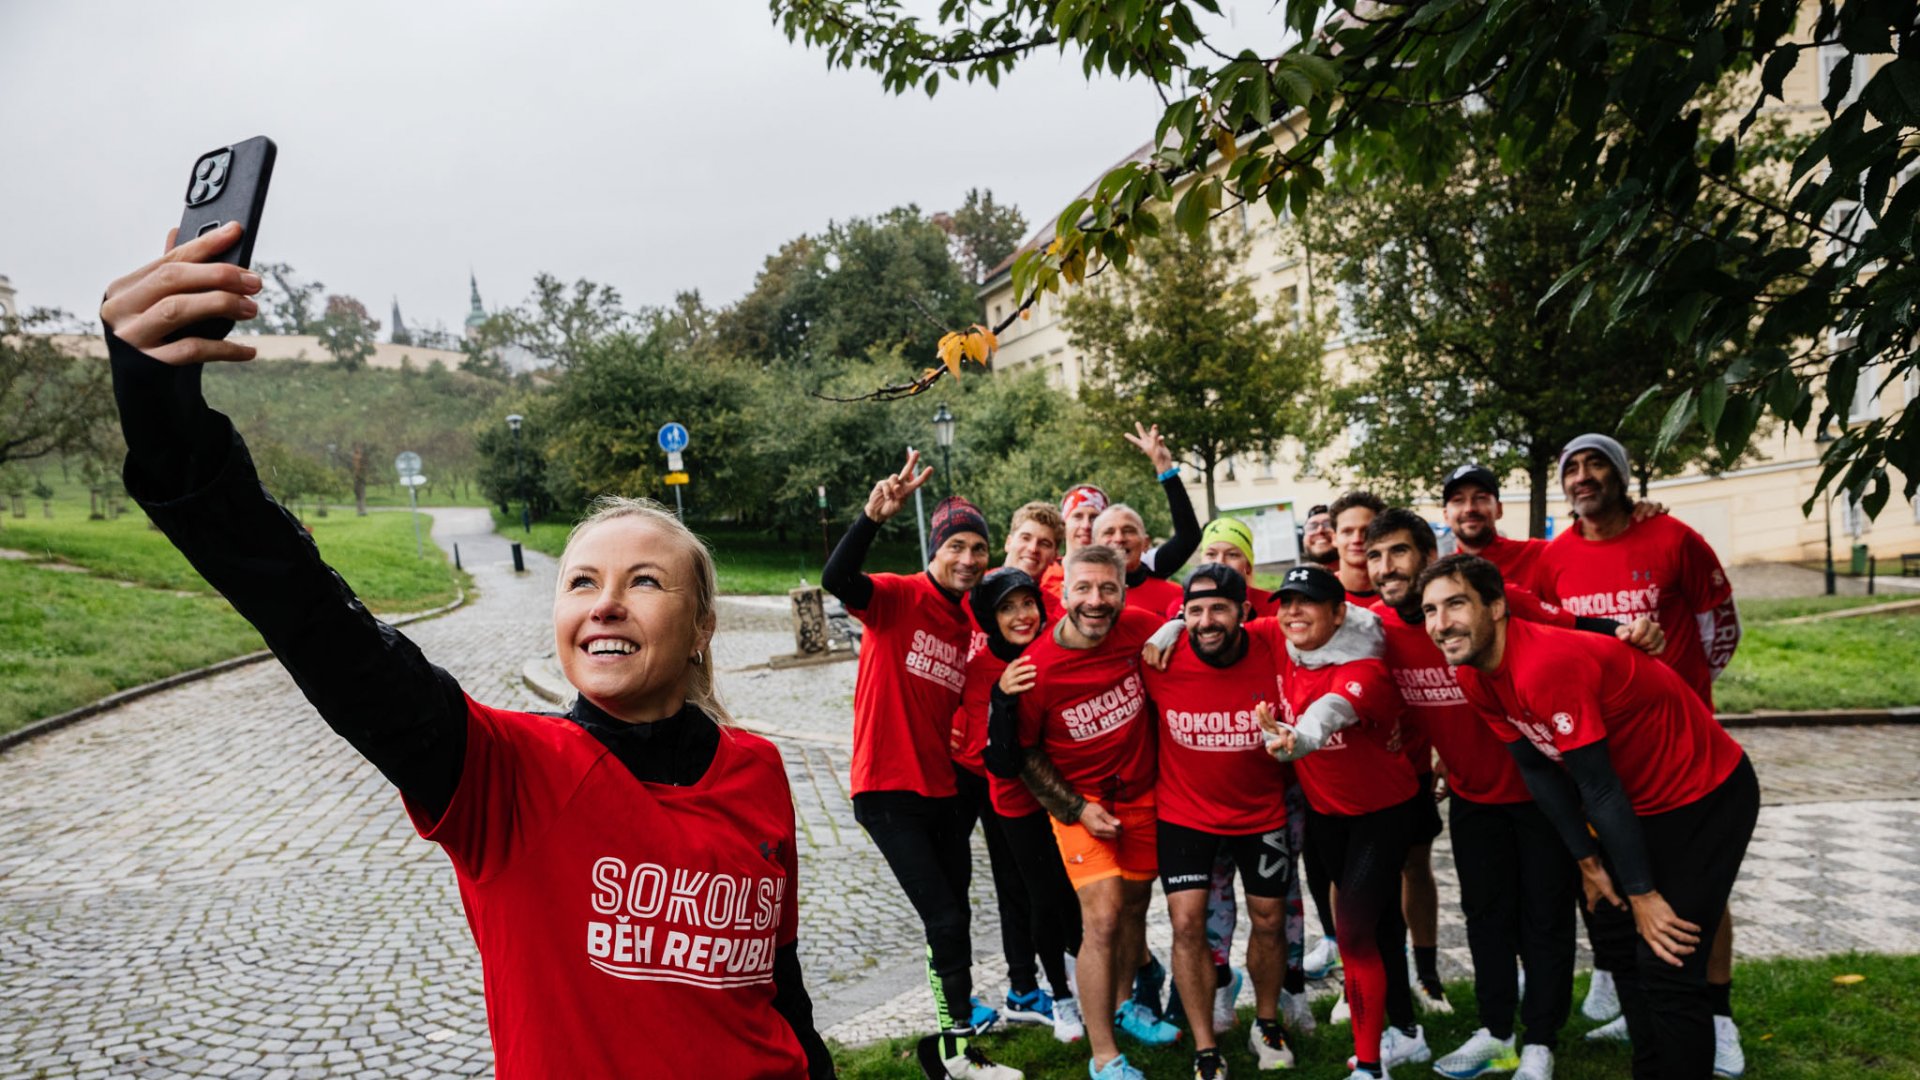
[
  {"x": 1853, "y": 520},
  {"x": 1832, "y": 58},
  {"x": 1289, "y": 305}
]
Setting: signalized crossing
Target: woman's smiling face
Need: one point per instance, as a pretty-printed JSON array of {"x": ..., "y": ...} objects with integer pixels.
[{"x": 624, "y": 618}]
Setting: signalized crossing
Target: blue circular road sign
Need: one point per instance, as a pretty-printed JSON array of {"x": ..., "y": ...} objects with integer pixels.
[{"x": 673, "y": 438}]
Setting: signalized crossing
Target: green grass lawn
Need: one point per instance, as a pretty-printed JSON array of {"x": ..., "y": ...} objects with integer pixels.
[
  {"x": 748, "y": 562},
  {"x": 67, "y": 638},
  {"x": 1796, "y": 1024}
]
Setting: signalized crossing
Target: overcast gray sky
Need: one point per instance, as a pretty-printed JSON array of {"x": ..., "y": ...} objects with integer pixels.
[{"x": 653, "y": 145}]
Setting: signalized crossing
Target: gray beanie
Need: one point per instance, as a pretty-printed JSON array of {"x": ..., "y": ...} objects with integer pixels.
[{"x": 1609, "y": 448}]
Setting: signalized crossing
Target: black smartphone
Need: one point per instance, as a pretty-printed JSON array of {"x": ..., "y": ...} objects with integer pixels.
[{"x": 228, "y": 184}]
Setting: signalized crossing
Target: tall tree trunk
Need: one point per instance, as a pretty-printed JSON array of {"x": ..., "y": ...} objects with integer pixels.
[
  {"x": 360, "y": 480},
  {"x": 1213, "y": 504},
  {"x": 1537, "y": 473}
]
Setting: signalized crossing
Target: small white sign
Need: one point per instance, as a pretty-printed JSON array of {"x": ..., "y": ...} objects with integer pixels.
[
  {"x": 674, "y": 462},
  {"x": 413, "y": 480}
]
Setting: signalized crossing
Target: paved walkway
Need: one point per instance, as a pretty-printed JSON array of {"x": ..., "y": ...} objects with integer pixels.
[{"x": 207, "y": 882}]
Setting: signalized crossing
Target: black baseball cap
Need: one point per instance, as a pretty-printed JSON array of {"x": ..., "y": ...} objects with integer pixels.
[
  {"x": 1471, "y": 473},
  {"x": 1314, "y": 583},
  {"x": 1224, "y": 582}
]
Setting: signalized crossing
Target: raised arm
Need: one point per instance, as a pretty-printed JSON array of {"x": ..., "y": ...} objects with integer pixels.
[
  {"x": 1167, "y": 559},
  {"x": 843, "y": 575},
  {"x": 190, "y": 471}
]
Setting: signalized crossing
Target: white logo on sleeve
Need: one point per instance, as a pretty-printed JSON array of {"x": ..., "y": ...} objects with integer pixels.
[
  {"x": 1563, "y": 723},
  {"x": 1353, "y": 689}
]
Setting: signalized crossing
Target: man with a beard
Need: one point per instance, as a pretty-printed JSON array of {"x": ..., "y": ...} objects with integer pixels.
[
  {"x": 1219, "y": 792},
  {"x": 1085, "y": 502},
  {"x": 1316, "y": 538},
  {"x": 1086, "y": 749},
  {"x": 1470, "y": 504},
  {"x": 912, "y": 670},
  {"x": 1614, "y": 563},
  {"x": 1656, "y": 802},
  {"x": 1517, "y": 882}
]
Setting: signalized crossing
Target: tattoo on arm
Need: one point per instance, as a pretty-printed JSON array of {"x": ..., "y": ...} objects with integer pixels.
[{"x": 1050, "y": 788}]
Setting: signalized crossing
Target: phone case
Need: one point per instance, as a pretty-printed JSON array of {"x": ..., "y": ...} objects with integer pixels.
[{"x": 228, "y": 184}]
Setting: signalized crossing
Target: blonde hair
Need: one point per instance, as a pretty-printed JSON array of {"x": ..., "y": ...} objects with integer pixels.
[
  {"x": 701, "y": 690},
  {"x": 1044, "y": 515}
]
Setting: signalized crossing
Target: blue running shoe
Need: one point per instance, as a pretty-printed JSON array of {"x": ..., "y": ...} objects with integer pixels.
[
  {"x": 1134, "y": 1019},
  {"x": 1117, "y": 1069},
  {"x": 1033, "y": 1007},
  {"x": 984, "y": 1016}
]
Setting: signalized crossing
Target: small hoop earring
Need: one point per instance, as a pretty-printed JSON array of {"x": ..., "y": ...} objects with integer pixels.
[{"x": 699, "y": 657}]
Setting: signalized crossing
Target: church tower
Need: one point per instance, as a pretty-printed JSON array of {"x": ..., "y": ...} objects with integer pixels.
[
  {"x": 401, "y": 335},
  {"x": 476, "y": 315}
]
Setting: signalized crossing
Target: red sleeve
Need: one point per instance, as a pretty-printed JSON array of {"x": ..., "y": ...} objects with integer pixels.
[
  {"x": 1033, "y": 714},
  {"x": 1522, "y": 604},
  {"x": 1482, "y": 698},
  {"x": 885, "y": 603},
  {"x": 1136, "y": 625},
  {"x": 1568, "y": 708},
  {"x": 1371, "y": 691},
  {"x": 1267, "y": 629},
  {"x": 516, "y": 777},
  {"x": 1701, "y": 577}
]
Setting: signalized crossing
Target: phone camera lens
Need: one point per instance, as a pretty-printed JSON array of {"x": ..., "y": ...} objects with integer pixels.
[
  {"x": 218, "y": 174},
  {"x": 200, "y": 190},
  {"x": 205, "y": 167}
]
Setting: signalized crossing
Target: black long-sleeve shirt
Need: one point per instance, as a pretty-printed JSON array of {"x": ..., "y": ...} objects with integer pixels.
[
  {"x": 1588, "y": 790},
  {"x": 1167, "y": 559},
  {"x": 191, "y": 472}
]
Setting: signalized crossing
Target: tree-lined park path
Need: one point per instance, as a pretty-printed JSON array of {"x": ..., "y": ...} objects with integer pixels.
[{"x": 208, "y": 882}]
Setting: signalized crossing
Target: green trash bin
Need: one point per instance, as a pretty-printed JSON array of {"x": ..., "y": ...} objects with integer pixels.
[{"x": 1859, "y": 560}]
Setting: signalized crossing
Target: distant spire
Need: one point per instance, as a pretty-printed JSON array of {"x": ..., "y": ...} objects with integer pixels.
[
  {"x": 400, "y": 335},
  {"x": 476, "y": 314}
]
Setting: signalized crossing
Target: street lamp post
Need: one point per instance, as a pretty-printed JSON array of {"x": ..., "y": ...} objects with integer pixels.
[
  {"x": 943, "y": 434},
  {"x": 514, "y": 421}
]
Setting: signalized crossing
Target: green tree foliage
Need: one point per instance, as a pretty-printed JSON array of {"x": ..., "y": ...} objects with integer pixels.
[
  {"x": 1181, "y": 341},
  {"x": 292, "y": 476},
  {"x": 50, "y": 403},
  {"x": 288, "y": 305},
  {"x": 1444, "y": 300},
  {"x": 984, "y": 233},
  {"x": 558, "y": 323},
  {"x": 1817, "y": 282},
  {"x": 347, "y": 332}
]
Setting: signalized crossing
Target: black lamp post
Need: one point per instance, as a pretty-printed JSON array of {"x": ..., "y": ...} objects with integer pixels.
[
  {"x": 514, "y": 421},
  {"x": 1821, "y": 438},
  {"x": 943, "y": 434}
]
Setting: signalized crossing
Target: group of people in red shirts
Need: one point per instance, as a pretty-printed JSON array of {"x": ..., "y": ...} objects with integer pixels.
[{"x": 1108, "y": 724}]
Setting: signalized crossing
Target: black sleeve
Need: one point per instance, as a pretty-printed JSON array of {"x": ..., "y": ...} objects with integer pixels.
[
  {"x": 1612, "y": 816},
  {"x": 1557, "y": 796},
  {"x": 190, "y": 471},
  {"x": 791, "y": 1001},
  {"x": 1004, "y": 756},
  {"x": 1594, "y": 625},
  {"x": 1167, "y": 559},
  {"x": 842, "y": 575}
]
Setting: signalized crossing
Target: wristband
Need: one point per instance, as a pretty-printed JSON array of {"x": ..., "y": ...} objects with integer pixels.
[{"x": 1169, "y": 474}]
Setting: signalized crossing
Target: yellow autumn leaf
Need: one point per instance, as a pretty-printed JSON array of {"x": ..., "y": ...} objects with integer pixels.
[
  {"x": 976, "y": 348},
  {"x": 1223, "y": 142},
  {"x": 1025, "y": 314},
  {"x": 1054, "y": 247},
  {"x": 952, "y": 348},
  {"x": 993, "y": 343},
  {"x": 1848, "y": 980}
]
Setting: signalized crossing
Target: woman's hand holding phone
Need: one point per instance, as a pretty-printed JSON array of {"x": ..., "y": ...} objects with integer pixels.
[{"x": 180, "y": 288}]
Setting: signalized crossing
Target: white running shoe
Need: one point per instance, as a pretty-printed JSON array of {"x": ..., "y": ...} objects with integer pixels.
[
  {"x": 1223, "y": 999},
  {"x": 1297, "y": 1014},
  {"x": 1481, "y": 1053},
  {"x": 1614, "y": 1030},
  {"x": 974, "y": 1065},
  {"x": 1536, "y": 1063},
  {"x": 1728, "y": 1059},
  {"x": 1067, "y": 1024},
  {"x": 1341, "y": 1014},
  {"x": 1269, "y": 1055},
  {"x": 1398, "y": 1048},
  {"x": 1321, "y": 960},
  {"x": 1603, "y": 1001}
]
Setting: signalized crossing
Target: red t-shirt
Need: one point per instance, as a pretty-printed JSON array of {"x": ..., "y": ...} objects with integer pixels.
[
  {"x": 1215, "y": 772},
  {"x": 1658, "y": 567},
  {"x": 1087, "y": 711},
  {"x": 1479, "y": 768},
  {"x": 624, "y": 928},
  {"x": 1564, "y": 689},
  {"x": 1353, "y": 772},
  {"x": 1154, "y": 595},
  {"x": 1517, "y": 560},
  {"x": 1053, "y": 583},
  {"x": 912, "y": 667},
  {"x": 968, "y": 743}
]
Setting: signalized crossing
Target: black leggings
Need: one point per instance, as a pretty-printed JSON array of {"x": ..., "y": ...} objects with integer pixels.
[
  {"x": 1016, "y": 916},
  {"x": 1362, "y": 856},
  {"x": 1518, "y": 889},
  {"x": 1055, "y": 909},
  {"x": 927, "y": 845},
  {"x": 1695, "y": 852}
]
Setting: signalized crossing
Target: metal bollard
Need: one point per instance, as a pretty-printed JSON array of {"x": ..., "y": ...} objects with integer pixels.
[
  {"x": 456, "y": 558},
  {"x": 519, "y": 560}
]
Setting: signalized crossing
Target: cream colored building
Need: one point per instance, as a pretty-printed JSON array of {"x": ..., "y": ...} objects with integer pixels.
[
  {"x": 1750, "y": 514},
  {"x": 304, "y": 348}
]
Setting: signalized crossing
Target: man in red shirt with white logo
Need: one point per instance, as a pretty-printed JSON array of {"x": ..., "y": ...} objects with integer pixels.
[
  {"x": 1517, "y": 882},
  {"x": 1606, "y": 737},
  {"x": 1614, "y": 563},
  {"x": 1220, "y": 793},
  {"x": 1470, "y": 504},
  {"x": 1086, "y": 749},
  {"x": 1342, "y": 721},
  {"x": 912, "y": 671},
  {"x": 1086, "y": 502}
]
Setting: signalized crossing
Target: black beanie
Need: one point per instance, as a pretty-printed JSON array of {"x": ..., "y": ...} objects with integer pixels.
[
  {"x": 985, "y": 599},
  {"x": 956, "y": 515}
]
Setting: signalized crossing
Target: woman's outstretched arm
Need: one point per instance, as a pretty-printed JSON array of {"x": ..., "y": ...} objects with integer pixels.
[{"x": 190, "y": 471}]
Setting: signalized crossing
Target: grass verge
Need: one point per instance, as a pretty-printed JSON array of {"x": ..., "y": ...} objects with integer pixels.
[
  {"x": 1796, "y": 1024},
  {"x": 1868, "y": 662}
]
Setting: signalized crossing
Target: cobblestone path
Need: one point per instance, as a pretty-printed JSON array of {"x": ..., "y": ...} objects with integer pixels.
[{"x": 207, "y": 882}]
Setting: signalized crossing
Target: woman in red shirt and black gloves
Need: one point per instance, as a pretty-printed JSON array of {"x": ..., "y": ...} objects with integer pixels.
[{"x": 628, "y": 869}]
